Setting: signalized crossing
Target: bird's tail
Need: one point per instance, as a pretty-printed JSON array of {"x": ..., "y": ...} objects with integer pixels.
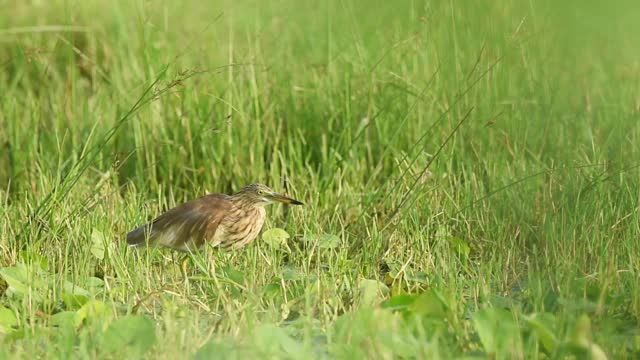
[{"x": 137, "y": 236}]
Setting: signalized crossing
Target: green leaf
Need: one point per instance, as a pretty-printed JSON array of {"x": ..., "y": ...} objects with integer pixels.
[
  {"x": 596, "y": 352},
  {"x": 290, "y": 273},
  {"x": 485, "y": 324},
  {"x": 431, "y": 303},
  {"x": 97, "y": 244},
  {"x": 460, "y": 246},
  {"x": 419, "y": 277},
  {"x": 63, "y": 319},
  {"x": 17, "y": 278},
  {"x": 543, "y": 325},
  {"x": 95, "y": 285},
  {"x": 271, "y": 290},
  {"x": 497, "y": 330},
  {"x": 7, "y": 320},
  {"x": 580, "y": 338},
  {"x": 363, "y": 331},
  {"x": 73, "y": 301},
  {"x": 399, "y": 302},
  {"x": 23, "y": 280},
  {"x": 93, "y": 310},
  {"x": 324, "y": 241},
  {"x": 74, "y": 289},
  {"x": 31, "y": 257},
  {"x": 36, "y": 283},
  {"x": 371, "y": 292},
  {"x": 216, "y": 349},
  {"x": 233, "y": 274},
  {"x": 328, "y": 241},
  {"x": 134, "y": 335},
  {"x": 581, "y": 332},
  {"x": 275, "y": 237},
  {"x": 14, "y": 336},
  {"x": 272, "y": 339}
]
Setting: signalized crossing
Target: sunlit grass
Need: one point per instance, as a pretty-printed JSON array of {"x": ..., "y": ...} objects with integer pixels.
[{"x": 469, "y": 172}]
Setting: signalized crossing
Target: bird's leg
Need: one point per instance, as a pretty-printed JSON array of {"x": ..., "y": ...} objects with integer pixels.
[
  {"x": 211, "y": 260},
  {"x": 183, "y": 268}
]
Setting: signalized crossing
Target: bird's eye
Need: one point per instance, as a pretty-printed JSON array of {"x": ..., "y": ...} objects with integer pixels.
[{"x": 262, "y": 192}]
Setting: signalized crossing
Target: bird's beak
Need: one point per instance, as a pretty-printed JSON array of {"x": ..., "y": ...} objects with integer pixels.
[{"x": 283, "y": 199}]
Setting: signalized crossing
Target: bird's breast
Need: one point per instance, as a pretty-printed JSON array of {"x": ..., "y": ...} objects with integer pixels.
[{"x": 240, "y": 228}]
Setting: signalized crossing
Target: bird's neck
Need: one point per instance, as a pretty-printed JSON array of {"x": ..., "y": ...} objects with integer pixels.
[{"x": 247, "y": 204}]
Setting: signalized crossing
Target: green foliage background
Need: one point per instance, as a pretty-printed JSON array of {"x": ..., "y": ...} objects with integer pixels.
[{"x": 470, "y": 172}]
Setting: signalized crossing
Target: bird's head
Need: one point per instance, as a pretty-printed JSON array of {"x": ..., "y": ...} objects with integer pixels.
[{"x": 261, "y": 195}]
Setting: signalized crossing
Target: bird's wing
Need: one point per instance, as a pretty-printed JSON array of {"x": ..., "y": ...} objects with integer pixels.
[{"x": 187, "y": 226}]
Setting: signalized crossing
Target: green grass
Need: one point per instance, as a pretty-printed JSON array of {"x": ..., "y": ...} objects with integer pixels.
[{"x": 470, "y": 171}]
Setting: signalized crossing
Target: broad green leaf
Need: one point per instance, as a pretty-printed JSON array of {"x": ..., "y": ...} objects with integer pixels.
[
  {"x": 399, "y": 302},
  {"x": 275, "y": 237},
  {"x": 485, "y": 324},
  {"x": 371, "y": 292},
  {"x": 7, "y": 320},
  {"x": 581, "y": 331},
  {"x": 308, "y": 238},
  {"x": 97, "y": 244},
  {"x": 460, "y": 246},
  {"x": 497, "y": 330},
  {"x": 431, "y": 303},
  {"x": 17, "y": 278},
  {"x": 589, "y": 351},
  {"x": 31, "y": 257},
  {"x": 328, "y": 241},
  {"x": 13, "y": 336},
  {"x": 22, "y": 280},
  {"x": 505, "y": 302},
  {"x": 581, "y": 338},
  {"x": 596, "y": 352},
  {"x": 543, "y": 325},
  {"x": 272, "y": 339},
  {"x": 271, "y": 290},
  {"x": 73, "y": 301},
  {"x": 361, "y": 332},
  {"x": 63, "y": 319},
  {"x": 134, "y": 335},
  {"x": 419, "y": 277},
  {"x": 233, "y": 274},
  {"x": 291, "y": 274},
  {"x": 37, "y": 283},
  {"x": 324, "y": 241},
  {"x": 92, "y": 310},
  {"x": 95, "y": 285},
  {"x": 74, "y": 289},
  {"x": 216, "y": 349}
]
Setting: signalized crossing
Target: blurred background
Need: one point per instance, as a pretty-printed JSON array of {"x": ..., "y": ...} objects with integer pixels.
[{"x": 487, "y": 147}]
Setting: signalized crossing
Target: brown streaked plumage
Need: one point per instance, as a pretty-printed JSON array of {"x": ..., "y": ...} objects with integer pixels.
[{"x": 226, "y": 221}]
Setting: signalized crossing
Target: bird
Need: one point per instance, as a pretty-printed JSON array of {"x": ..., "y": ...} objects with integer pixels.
[{"x": 219, "y": 220}]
